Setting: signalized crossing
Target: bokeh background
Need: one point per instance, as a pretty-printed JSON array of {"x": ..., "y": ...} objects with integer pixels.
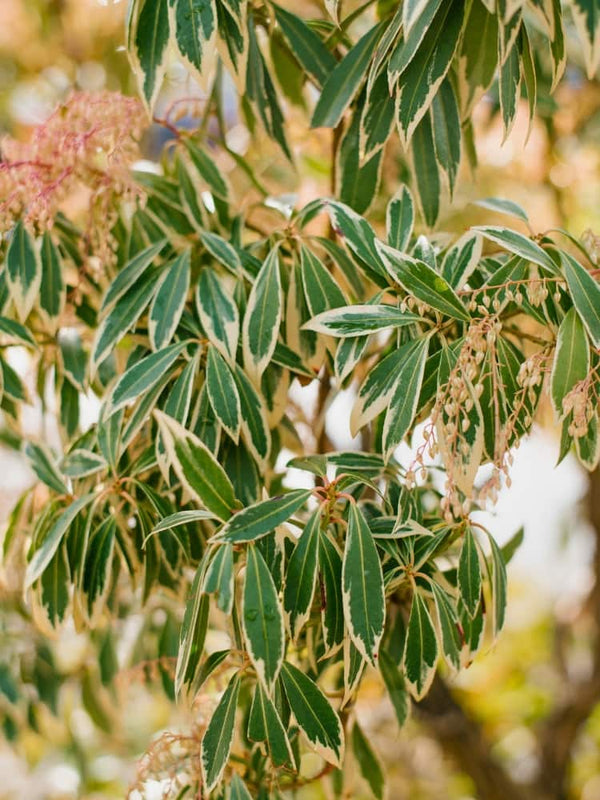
[{"x": 92, "y": 745}]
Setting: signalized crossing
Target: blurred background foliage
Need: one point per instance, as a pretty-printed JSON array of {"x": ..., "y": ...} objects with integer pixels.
[{"x": 85, "y": 742}]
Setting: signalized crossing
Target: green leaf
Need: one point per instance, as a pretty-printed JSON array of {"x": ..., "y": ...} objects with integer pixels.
[
  {"x": 477, "y": 56},
  {"x": 509, "y": 84},
  {"x": 196, "y": 467},
  {"x": 209, "y": 665},
  {"x": 131, "y": 273},
  {"x": 369, "y": 765},
  {"x": 23, "y": 270},
  {"x": 80, "y": 463},
  {"x": 447, "y": 132},
  {"x": 586, "y": 15},
  {"x": 52, "y": 288},
  {"x": 503, "y": 206},
  {"x": 148, "y": 38},
  {"x": 400, "y": 218},
  {"x": 360, "y": 319},
  {"x": 182, "y": 518},
  {"x": 195, "y": 23},
  {"x": 218, "y": 314},
  {"x": 330, "y": 580},
  {"x": 144, "y": 375},
  {"x": 54, "y": 590},
  {"x": 217, "y": 741},
  {"x": 363, "y": 591},
  {"x": 237, "y": 789},
  {"x": 357, "y": 173},
  {"x": 357, "y": 233},
  {"x": 585, "y": 292},
  {"x": 344, "y": 81},
  {"x": 261, "y": 518},
  {"x": 469, "y": 573},
  {"x": 301, "y": 576},
  {"x": 255, "y": 429},
  {"x": 53, "y": 538},
  {"x": 588, "y": 445},
  {"x": 461, "y": 260},
  {"x": 123, "y": 316},
  {"x": 425, "y": 169},
  {"x": 262, "y": 317},
  {"x": 17, "y": 332},
  {"x": 262, "y": 619},
  {"x": 420, "y": 650},
  {"x": 571, "y": 359},
  {"x": 222, "y": 393},
  {"x": 520, "y": 245},
  {"x": 192, "y": 634},
  {"x": 312, "y": 55},
  {"x": 98, "y": 567},
  {"x": 376, "y": 117},
  {"x": 45, "y": 467},
  {"x": 315, "y": 717},
  {"x": 419, "y": 280},
  {"x": 499, "y": 581},
  {"x": 264, "y": 725},
  {"x": 219, "y": 578},
  {"x": 321, "y": 290},
  {"x": 404, "y": 402},
  {"x": 394, "y": 683},
  {"x": 450, "y": 635},
  {"x": 224, "y": 252},
  {"x": 169, "y": 301},
  {"x": 207, "y": 169},
  {"x": 73, "y": 356},
  {"x": 421, "y": 79}
]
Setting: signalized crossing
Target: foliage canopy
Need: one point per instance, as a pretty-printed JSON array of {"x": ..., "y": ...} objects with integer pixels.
[{"x": 192, "y": 324}]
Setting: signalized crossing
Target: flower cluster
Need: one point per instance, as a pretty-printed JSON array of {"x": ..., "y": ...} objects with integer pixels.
[{"x": 86, "y": 146}]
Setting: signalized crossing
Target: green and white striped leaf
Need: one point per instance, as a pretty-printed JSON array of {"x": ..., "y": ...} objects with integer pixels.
[
  {"x": 420, "y": 280},
  {"x": 499, "y": 588},
  {"x": 587, "y": 446},
  {"x": 224, "y": 252},
  {"x": 376, "y": 118},
  {"x": 585, "y": 292},
  {"x": 360, "y": 319},
  {"x": 262, "y": 619},
  {"x": 218, "y": 314},
  {"x": 315, "y": 717},
  {"x": 311, "y": 53},
  {"x": 194, "y": 25},
  {"x": 344, "y": 81},
  {"x": 218, "y": 578},
  {"x": 301, "y": 576},
  {"x": 123, "y": 316},
  {"x": 518, "y": 244},
  {"x": 357, "y": 233},
  {"x": 238, "y": 789},
  {"x": 420, "y": 649},
  {"x": 262, "y": 318},
  {"x": 400, "y": 218},
  {"x": 368, "y": 763},
  {"x": 265, "y": 725},
  {"x": 52, "y": 287},
  {"x": 51, "y": 599},
  {"x": 148, "y": 36},
  {"x": 362, "y": 586},
  {"x": 182, "y": 518},
  {"x": 332, "y": 611},
  {"x": 358, "y": 174},
  {"x": 586, "y": 15},
  {"x": 321, "y": 290},
  {"x": 509, "y": 84},
  {"x": 17, "y": 333},
  {"x": 131, "y": 273},
  {"x": 45, "y": 467},
  {"x": 255, "y": 428},
  {"x": 394, "y": 683},
  {"x": 53, "y": 538},
  {"x": 404, "y": 401},
  {"x": 461, "y": 260},
  {"x": 207, "y": 170},
  {"x": 222, "y": 393},
  {"x": 408, "y": 45},
  {"x": 261, "y": 518},
  {"x": 571, "y": 359},
  {"x": 168, "y": 303},
  {"x": 421, "y": 79},
  {"x": 80, "y": 463},
  {"x": 450, "y": 638},
  {"x": 23, "y": 270},
  {"x": 196, "y": 467},
  {"x": 502, "y": 206},
  {"x": 477, "y": 56},
  {"x": 218, "y": 738},
  {"x": 144, "y": 375},
  {"x": 192, "y": 634},
  {"x": 469, "y": 573}
]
